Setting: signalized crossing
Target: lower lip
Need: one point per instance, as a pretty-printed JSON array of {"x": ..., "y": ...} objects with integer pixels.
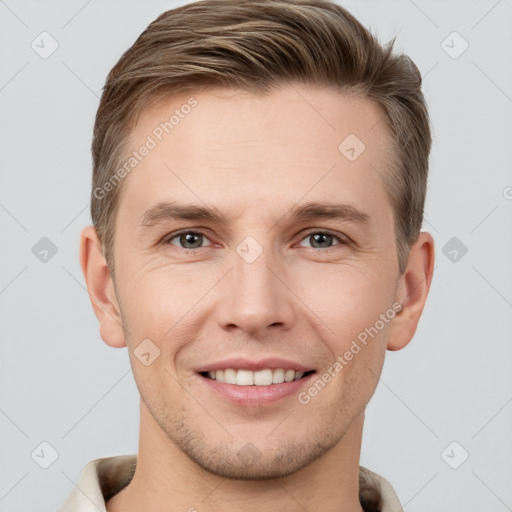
[{"x": 255, "y": 396}]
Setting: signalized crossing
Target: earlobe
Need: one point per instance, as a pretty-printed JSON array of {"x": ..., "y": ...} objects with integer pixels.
[
  {"x": 101, "y": 288},
  {"x": 412, "y": 291}
]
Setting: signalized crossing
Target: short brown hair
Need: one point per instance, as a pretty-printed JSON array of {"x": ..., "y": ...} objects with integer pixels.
[{"x": 255, "y": 45}]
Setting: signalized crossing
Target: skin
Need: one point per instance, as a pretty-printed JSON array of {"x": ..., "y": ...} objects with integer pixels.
[{"x": 253, "y": 159}]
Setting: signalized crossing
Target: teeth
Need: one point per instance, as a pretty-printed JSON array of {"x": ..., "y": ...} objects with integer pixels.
[
  {"x": 244, "y": 378},
  {"x": 229, "y": 376},
  {"x": 278, "y": 376},
  {"x": 250, "y": 378},
  {"x": 289, "y": 375},
  {"x": 263, "y": 378}
]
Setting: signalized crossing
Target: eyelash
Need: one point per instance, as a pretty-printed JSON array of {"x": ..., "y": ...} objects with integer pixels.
[{"x": 341, "y": 238}]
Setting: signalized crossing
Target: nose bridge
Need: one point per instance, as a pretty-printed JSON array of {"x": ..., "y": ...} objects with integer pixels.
[{"x": 256, "y": 298}]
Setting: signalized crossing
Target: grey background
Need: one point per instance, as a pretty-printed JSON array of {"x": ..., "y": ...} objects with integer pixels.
[{"x": 61, "y": 384}]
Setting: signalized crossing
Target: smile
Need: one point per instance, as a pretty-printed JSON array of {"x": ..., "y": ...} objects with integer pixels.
[{"x": 264, "y": 377}]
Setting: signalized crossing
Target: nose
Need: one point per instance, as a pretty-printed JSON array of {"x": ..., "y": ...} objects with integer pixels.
[{"x": 255, "y": 297}]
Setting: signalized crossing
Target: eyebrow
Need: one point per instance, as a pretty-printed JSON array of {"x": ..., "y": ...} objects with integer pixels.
[{"x": 309, "y": 211}]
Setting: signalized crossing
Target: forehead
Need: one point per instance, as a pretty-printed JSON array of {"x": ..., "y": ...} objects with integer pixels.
[
  {"x": 299, "y": 110},
  {"x": 297, "y": 140}
]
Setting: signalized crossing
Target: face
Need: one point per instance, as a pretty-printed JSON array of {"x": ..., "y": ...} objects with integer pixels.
[{"x": 254, "y": 245}]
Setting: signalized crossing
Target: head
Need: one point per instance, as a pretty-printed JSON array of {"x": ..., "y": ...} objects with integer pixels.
[{"x": 302, "y": 146}]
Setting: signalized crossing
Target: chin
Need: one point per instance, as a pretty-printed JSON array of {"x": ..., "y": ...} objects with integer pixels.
[{"x": 253, "y": 462}]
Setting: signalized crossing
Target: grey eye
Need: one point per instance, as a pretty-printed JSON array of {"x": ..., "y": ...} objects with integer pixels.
[
  {"x": 320, "y": 240},
  {"x": 188, "y": 240}
]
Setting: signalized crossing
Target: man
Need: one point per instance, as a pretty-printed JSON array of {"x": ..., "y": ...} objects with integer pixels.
[{"x": 259, "y": 180}]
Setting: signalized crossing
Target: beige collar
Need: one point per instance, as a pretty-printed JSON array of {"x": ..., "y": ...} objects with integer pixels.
[{"x": 103, "y": 478}]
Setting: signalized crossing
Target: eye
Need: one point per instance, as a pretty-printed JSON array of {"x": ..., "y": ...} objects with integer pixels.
[
  {"x": 196, "y": 240},
  {"x": 322, "y": 239},
  {"x": 187, "y": 239}
]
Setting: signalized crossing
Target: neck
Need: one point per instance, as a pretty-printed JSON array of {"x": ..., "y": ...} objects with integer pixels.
[{"x": 167, "y": 480}]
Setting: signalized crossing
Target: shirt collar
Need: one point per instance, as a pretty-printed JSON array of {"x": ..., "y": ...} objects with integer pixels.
[{"x": 103, "y": 478}]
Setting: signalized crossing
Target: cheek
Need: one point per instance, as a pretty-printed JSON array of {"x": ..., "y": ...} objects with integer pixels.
[
  {"x": 362, "y": 320},
  {"x": 351, "y": 306},
  {"x": 352, "y": 301},
  {"x": 156, "y": 297},
  {"x": 160, "y": 308}
]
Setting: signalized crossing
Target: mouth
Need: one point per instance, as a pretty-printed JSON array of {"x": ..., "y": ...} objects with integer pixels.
[
  {"x": 249, "y": 382},
  {"x": 264, "y": 377}
]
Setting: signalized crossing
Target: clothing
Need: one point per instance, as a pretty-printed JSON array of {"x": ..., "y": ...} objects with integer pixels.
[{"x": 103, "y": 478}]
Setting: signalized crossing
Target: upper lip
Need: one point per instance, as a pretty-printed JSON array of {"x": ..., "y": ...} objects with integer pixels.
[{"x": 240, "y": 363}]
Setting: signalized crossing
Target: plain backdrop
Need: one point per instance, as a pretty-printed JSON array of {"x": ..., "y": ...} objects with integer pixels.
[{"x": 445, "y": 397}]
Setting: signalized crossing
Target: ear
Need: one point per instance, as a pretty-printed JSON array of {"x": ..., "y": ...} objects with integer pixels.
[
  {"x": 412, "y": 291},
  {"x": 101, "y": 288}
]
